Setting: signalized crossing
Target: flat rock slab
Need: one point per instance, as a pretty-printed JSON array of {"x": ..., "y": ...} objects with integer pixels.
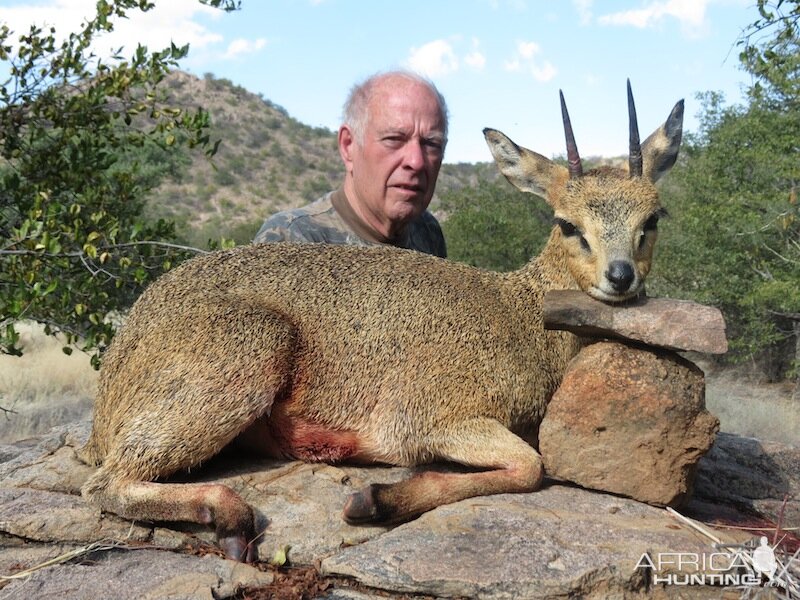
[
  {"x": 561, "y": 540},
  {"x": 673, "y": 324},
  {"x": 138, "y": 575},
  {"x": 298, "y": 505}
]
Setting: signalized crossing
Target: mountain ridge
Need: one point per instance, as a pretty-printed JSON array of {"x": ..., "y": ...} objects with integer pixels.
[{"x": 267, "y": 161}]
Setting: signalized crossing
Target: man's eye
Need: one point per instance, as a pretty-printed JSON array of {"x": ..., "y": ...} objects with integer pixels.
[{"x": 393, "y": 140}]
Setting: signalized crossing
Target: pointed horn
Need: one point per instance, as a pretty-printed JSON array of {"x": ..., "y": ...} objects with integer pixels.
[
  {"x": 574, "y": 160},
  {"x": 635, "y": 152}
]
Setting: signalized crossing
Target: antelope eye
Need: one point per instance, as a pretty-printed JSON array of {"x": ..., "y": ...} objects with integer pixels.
[
  {"x": 567, "y": 228},
  {"x": 652, "y": 223}
]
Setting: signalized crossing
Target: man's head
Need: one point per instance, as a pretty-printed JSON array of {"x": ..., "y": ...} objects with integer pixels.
[{"x": 392, "y": 143}]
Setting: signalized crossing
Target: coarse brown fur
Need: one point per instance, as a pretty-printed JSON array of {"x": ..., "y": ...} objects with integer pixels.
[{"x": 337, "y": 353}]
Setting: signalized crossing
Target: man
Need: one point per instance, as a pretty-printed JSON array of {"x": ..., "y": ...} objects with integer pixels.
[{"x": 392, "y": 144}]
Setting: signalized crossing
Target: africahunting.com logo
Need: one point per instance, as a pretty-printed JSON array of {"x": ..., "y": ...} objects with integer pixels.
[{"x": 747, "y": 567}]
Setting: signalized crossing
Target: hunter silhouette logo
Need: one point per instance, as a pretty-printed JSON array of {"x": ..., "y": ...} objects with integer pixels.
[{"x": 764, "y": 560}]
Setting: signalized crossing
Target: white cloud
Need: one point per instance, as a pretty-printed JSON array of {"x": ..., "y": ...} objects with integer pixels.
[
  {"x": 173, "y": 21},
  {"x": 584, "y": 8},
  {"x": 528, "y": 49},
  {"x": 242, "y": 46},
  {"x": 527, "y": 60},
  {"x": 475, "y": 59},
  {"x": 544, "y": 71},
  {"x": 432, "y": 59},
  {"x": 690, "y": 13}
]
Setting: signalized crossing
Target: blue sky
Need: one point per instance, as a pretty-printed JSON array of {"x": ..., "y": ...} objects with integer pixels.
[{"x": 499, "y": 63}]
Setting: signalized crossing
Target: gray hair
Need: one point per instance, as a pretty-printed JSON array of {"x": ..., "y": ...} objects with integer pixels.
[{"x": 356, "y": 108}]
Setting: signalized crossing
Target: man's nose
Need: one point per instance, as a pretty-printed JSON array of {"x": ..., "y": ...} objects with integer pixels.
[{"x": 414, "y": 155}]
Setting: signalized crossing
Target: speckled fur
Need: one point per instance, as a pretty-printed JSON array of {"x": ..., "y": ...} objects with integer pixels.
[{"x": 344, "y": 353}]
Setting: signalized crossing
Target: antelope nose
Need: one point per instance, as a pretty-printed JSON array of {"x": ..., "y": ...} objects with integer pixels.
[{"x": 620, "y": 274}]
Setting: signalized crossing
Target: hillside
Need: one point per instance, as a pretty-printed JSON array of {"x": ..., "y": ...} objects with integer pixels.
[{"x": 267, "y": 161}]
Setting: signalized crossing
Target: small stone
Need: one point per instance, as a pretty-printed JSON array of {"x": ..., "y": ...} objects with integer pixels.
[
  {"x": 628, "y": 421},
  {"x": 673, "y": 324}
]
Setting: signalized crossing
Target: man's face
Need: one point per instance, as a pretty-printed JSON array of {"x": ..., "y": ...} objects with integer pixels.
[{"x": 393, "y": 172}]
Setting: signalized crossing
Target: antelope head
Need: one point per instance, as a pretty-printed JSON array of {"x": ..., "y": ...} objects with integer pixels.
[{"x": 606, "y": 218}]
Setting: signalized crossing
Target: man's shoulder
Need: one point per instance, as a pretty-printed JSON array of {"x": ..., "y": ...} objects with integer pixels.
[
  {"x": 318, "y": 208},
  {"x": 315, "y": 222},
  {"x": 426, "y": 235}
]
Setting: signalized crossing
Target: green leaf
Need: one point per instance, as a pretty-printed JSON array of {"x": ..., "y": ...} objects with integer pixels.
[
  {"x": 280, "y": 557},
  {"x": 90, "y": 250}
]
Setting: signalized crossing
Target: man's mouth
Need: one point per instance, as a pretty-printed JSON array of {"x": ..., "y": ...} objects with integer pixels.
[{"x": 410, "y": 187}]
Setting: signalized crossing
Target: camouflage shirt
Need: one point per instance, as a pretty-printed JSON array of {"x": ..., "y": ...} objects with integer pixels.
[{"x": 332, "y": 220}]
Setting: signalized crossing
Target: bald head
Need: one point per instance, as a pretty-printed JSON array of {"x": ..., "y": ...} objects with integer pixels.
[{"x": 361, "y": 100}]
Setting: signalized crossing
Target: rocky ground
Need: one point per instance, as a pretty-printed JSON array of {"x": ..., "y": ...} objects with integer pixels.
[{"x": 562, "y": 541}]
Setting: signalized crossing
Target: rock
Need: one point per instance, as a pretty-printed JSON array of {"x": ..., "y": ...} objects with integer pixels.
[
  {"x": 299, "y": 504},
  {"x": 557, "y": 542},
  {"x": 43, "y": 516},
  {"x": 673, "y": 324},
  {"x": 628, "y": 421},
  {"x": 561, "y": 540},
  {"x": 757, "y": 476},
  {"x": 41, "y": 483},
  {"x": 139, "y": 575}
]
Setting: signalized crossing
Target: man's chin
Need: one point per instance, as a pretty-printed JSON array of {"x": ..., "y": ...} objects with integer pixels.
[{"x": 406, "y": 209}]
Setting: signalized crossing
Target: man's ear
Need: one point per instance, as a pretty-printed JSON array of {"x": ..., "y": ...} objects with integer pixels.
[{"x": 347, "y": 144}]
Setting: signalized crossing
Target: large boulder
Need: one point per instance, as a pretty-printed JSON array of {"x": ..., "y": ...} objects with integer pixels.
[{"x": 629, "y": 421}]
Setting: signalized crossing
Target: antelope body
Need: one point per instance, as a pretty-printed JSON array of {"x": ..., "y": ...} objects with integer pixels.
[{"x": 338, "y": 353}]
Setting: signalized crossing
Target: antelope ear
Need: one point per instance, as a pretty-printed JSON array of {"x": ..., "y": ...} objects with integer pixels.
[
  {"x": 526, "y": 170},
  {"x": 660, "y": 149}
]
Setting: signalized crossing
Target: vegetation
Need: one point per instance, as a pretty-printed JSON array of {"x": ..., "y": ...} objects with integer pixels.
[
  {"x": 735, "y": 238},
  {"x": 267, "y": 161},
  {"x": 75, "y": 163},
  {"x": 494, "y": 226}
]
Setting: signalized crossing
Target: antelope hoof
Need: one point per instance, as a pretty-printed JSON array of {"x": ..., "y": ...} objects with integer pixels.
[
  {"x": 236, "y": 547},
  {"x": 364, "y": 507}
]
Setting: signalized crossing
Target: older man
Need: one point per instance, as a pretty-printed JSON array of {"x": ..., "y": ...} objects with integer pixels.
[{"x": 392, "y": 143}]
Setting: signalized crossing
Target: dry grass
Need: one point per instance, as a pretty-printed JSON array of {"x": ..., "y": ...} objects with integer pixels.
[
  {"x": 761, "y": 410},
  {"x": 44, "y": 387}
]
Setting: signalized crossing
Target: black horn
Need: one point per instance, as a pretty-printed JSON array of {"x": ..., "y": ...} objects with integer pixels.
[
  {"x": 573, "y": 159},
  {"x": 635, "y": 151}
]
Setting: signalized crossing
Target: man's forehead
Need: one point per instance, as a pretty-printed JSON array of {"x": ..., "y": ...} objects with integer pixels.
[{"x": 400, "y": 113}]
